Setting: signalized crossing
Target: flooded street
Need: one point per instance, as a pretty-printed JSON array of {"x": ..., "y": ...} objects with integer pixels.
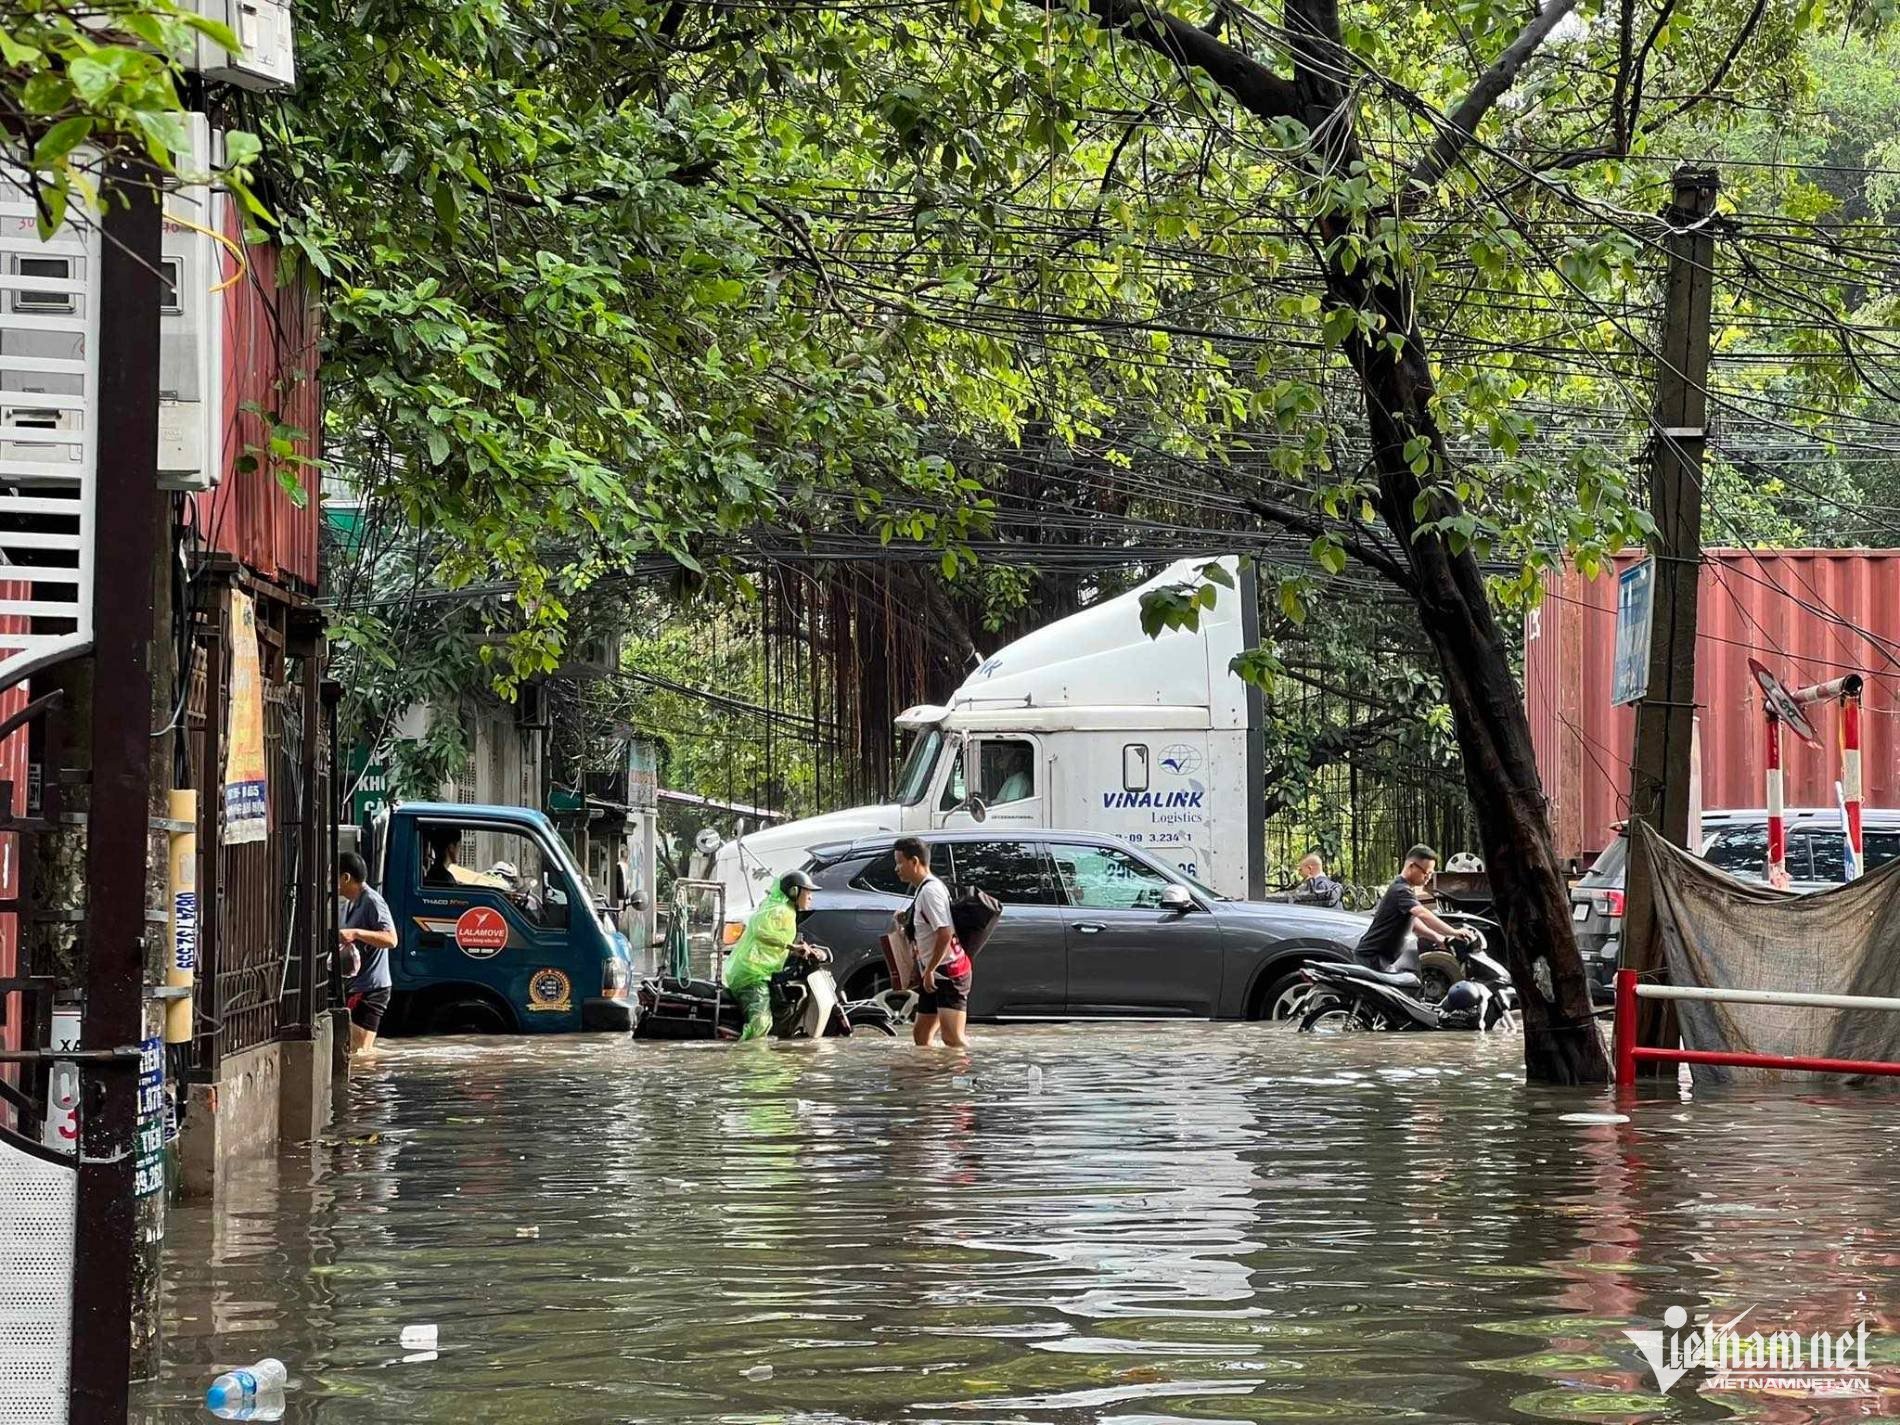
[{"x": 1137, "y": 1223}]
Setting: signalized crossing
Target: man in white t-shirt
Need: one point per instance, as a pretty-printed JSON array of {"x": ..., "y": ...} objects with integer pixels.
[{"x": 943, "y": 990}]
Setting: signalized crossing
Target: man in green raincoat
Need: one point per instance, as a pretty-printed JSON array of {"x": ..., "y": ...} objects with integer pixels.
[{"x": 762, "y": 951}]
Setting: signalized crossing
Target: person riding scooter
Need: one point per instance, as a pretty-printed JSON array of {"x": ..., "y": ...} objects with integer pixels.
[
  {"x": 1399, "y": 911},
  {"x": 769, "y": 939}
]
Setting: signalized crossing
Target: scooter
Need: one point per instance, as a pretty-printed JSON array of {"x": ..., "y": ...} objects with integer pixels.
[
  {"x": 805, "y": 1005},
  {"x": 1359, "y": 997},
  {"x": 1440, "y": 967}
]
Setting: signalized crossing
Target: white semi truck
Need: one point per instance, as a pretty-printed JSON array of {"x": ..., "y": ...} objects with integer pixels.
[{"x": 1086, "y": 725}]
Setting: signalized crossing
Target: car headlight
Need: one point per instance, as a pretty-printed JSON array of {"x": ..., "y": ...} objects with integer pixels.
[{"x": 615, "y": 979}]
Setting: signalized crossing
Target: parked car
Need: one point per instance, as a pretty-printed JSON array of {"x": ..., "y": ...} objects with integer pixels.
[
  {"x": 1736, "y": 842},
  {"x": 1596, "y": 910},
  {"x": 1091, "y": 927}
]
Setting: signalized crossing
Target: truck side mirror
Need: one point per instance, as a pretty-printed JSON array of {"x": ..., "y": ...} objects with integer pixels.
[
  {"x": 1176, "y": 899},
  {"x": 978, "y": 809}
]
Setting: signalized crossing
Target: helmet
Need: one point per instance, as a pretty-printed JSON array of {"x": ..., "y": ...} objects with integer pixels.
[
  {"x": 792, "y": 882},
  {"x": 1463, "y": 995},
  {"x": 504, "y": 869}
]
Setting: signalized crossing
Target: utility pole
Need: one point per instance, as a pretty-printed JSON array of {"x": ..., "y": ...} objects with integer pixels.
[
  {"x": 1665, "y": 718},
  {"x": 117, "y": 825}
]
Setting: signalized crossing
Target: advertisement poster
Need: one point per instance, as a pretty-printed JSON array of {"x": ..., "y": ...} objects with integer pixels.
[{"x": 246, "y": 790}]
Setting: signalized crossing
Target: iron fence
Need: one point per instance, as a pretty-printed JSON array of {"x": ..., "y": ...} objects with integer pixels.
[{"x": 265, "y": 950}]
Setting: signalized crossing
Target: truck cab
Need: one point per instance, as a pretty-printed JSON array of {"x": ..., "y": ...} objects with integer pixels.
[
  {"x": 1087, "y": 724},
  {"x": 498, "y": 931}
]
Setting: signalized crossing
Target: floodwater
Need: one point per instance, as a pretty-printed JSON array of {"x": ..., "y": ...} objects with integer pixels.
[{"x": 1128, "y": 1223}]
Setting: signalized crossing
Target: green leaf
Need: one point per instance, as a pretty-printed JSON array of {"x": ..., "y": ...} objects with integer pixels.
[
  {"x": 62, "y": 139},
  {"x": 46, "y": 93},
  {"x": 95, "y": 76},
  {"x": 1329, "y": 554},
  {"x": 1291, "y": 604},
  {"x": 288, "y": 482},
  {"x": 1340, "y": 323},
  {"x": 18, "y": 53},
  {"x": 438, "y": 447},
  {"x": 215, "y": 30}
]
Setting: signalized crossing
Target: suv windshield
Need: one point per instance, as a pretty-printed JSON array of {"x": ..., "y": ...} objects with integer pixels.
[
  {"x": 1608, "y": 870},
  {"x": 914, "y": 780}
]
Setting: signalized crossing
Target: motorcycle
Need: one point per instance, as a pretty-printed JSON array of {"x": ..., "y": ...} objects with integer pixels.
[
  {"x": 1479, "y": 996},
  {"x": 1439, "y": 966},
  {"x": 804, "y": 997}
]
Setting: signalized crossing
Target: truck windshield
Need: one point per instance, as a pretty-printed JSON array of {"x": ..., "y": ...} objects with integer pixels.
[{"x": 914, "y": 780}]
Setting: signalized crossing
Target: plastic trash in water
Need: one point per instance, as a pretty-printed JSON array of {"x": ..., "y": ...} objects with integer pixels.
[
  {"x": 963, "y": 1081},
  {"x": 757, "y": 1372},
  {"x": 527, "y": 1231},
  {"x": 237, "y": 1389},
  {"x": 1035, "y": 1078},
  {"x": 1593, "y": 1117},
  {"x": 418, "y": 1338}
]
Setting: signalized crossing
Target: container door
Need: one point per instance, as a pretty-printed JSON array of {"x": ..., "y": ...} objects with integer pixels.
[
  {"x": 493, "y": 908},
  {"x": 1008, "y": 772},
  {"x": 1127, "y": 953}
]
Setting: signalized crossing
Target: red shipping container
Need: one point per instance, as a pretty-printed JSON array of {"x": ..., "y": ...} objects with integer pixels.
[
  {"x": 1810, "y": 615},
  {"x": 271, "y": 334}
]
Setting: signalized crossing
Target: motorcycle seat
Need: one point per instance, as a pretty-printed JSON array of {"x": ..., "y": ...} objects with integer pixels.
[
  {"x": 693, "y": 989},
  {"x": 1398, "y": 979}
]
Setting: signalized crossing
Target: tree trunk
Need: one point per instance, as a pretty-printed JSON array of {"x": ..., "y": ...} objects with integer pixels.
[{"x": 1561, "y": 1042}]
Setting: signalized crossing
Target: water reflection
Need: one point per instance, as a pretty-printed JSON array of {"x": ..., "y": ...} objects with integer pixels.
[{"x": 1138, "y": 1224}]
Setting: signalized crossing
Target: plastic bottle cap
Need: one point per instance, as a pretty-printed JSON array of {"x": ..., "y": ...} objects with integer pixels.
[{"x": 218, "y": 1396}]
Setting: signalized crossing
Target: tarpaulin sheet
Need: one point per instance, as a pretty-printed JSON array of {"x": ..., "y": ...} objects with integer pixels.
[{"x": 1723, "y": 933}]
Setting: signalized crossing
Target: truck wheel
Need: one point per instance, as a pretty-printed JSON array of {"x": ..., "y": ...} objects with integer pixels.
[
  {"x": 1283, "y": 998},
  {"x": 470, "y": 1015}
]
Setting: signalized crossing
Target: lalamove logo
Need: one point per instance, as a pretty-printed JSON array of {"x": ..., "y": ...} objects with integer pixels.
[{"x": 1734, "y": 1358}]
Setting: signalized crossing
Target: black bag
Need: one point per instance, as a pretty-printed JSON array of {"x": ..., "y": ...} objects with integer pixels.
[{"x": 974, "y": 914}]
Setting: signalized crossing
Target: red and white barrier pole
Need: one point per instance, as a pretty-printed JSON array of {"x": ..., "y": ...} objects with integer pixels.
[
  {"x": 1777, "y": 868},
  {"x": 1847, "y": 689},
  {"x": 1628, "y": 1054}
]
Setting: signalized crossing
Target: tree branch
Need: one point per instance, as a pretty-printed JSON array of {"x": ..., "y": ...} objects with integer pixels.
[
  {"x": 1456, "y": 133},
  {"x": 1248, "y": 82},
  {"x": 1642, "y": 61},
  {"x": 1304, "y": 522},
  {"x": 1743, "y": 36}
]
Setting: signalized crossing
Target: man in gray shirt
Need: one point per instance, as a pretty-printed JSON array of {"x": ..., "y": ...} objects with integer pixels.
[
  {"x": 943, "y": 991},
  {"x": 369, "y": 929}
]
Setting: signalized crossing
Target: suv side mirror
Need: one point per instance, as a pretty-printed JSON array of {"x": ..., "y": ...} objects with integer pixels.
[{"x": 1176, "y": 898}]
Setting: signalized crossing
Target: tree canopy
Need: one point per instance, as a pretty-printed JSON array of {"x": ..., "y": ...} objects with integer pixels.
[{"x": 1369, "y": 289}]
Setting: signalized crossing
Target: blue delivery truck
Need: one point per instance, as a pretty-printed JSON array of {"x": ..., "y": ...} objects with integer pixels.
[{"x": 498, "y": 930}]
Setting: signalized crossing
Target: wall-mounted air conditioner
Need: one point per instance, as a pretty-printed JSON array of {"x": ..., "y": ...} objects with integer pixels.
[
  {"x": 49, "y": 323},
  {"x": 191, "y": 326},
  {"x": 268, "y": 58},
  {"x": 593, "y": 658}
]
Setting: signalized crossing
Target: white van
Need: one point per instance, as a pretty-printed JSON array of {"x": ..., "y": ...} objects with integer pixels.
[{"x": 1086, "y": 725}]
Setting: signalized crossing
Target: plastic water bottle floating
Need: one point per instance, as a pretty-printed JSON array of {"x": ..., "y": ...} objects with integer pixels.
[{"x": 234, "y": 1389}]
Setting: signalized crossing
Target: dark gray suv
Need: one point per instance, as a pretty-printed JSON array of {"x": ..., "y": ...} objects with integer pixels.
[{"x": 1091, "y": 926}]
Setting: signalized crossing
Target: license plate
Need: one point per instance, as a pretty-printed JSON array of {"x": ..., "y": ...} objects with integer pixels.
[{"x": 1580, "y": 911}]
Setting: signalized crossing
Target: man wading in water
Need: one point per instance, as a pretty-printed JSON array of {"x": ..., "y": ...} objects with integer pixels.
[{"x": 943, "y": 986}]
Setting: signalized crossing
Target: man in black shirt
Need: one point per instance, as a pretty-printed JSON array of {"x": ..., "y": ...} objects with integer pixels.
[{"x": 1399, "y": 911}]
